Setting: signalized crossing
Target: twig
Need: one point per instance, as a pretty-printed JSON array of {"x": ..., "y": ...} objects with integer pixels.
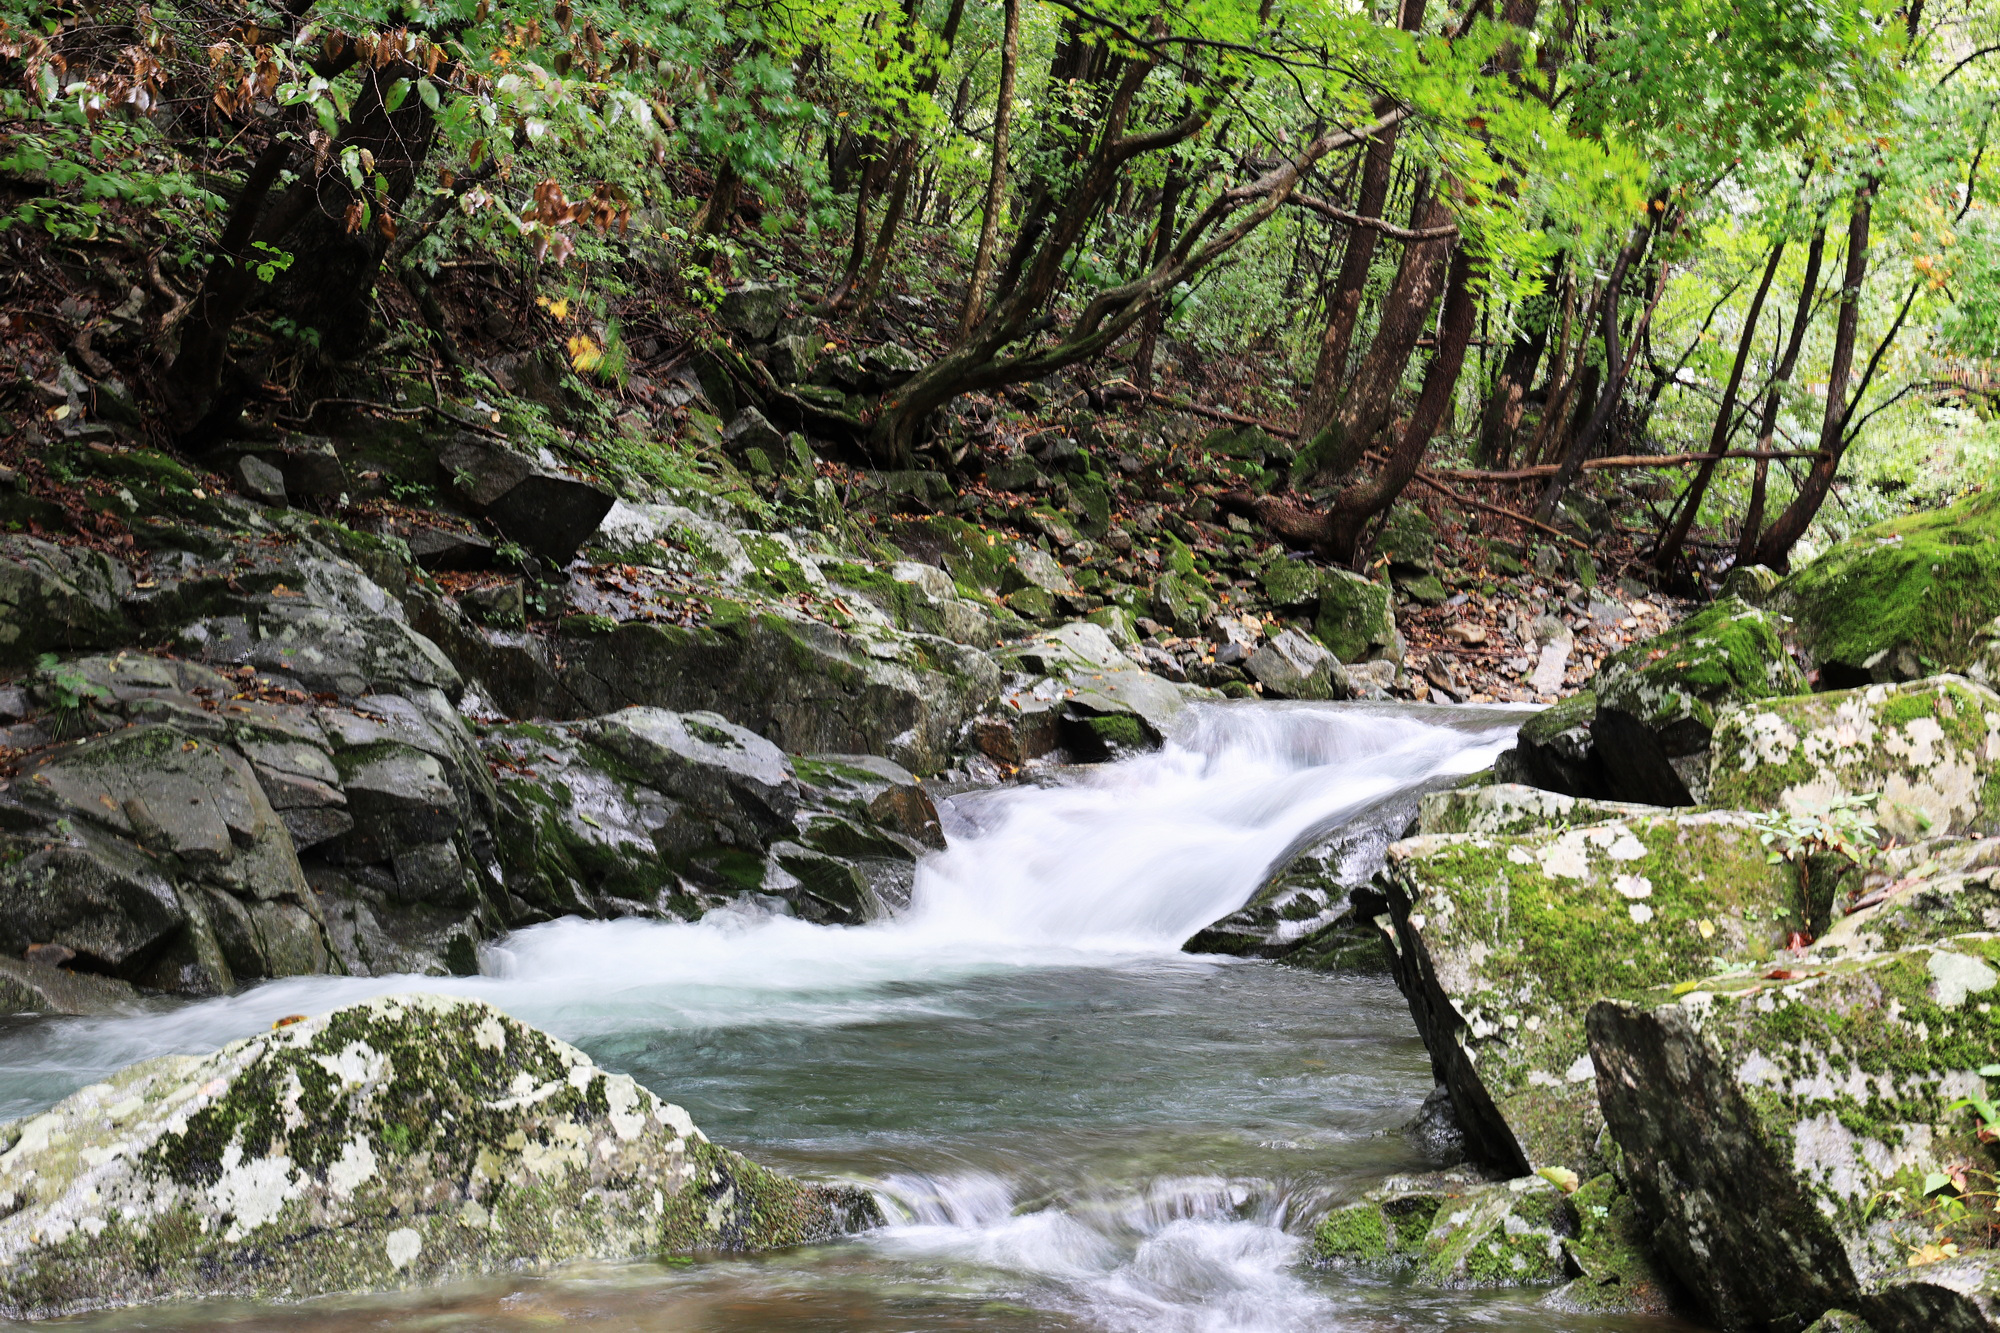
[
  {"x": 1619, "y": 462},
  {"x": 1502, "y": 510}
]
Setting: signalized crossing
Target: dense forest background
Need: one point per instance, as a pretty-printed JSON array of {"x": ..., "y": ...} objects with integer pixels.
[{"x": 1740, "y": 257}]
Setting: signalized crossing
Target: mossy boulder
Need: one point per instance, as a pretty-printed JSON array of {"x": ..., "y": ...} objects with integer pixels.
[
  {"x": 1501, "y": 944},
  {"x": 1898, "y": 600},
  {"x": 1612, "y": 1253},
  {"x": 1658, "y": 701},
  {"x": 1085, "y": 694},
  {"x": 58, "y": 599},
  {"x": 1508, "y": 809},
  {"x": 1453, "y": 1230},
  {"x": 1356, "y": 618},
  {"x": 806, "y": 685},
  {"x": 1930, "y": 748},
  {"x": 407, "y": 1140},
  {"x": 1802, "y": 1134},
  {"x": 1554, "y": 751}
]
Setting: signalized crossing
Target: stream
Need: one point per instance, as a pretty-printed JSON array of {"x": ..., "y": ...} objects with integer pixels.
[{"x": 1071, "y": 1124}]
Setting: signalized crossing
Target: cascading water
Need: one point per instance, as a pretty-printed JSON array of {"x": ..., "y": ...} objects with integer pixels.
[{"x": 1073, "y": 1124}]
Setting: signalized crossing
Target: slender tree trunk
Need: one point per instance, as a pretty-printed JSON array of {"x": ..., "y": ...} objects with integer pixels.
[
  {"x": 1163, "y": 245},
  {"x": 1344, "y": 307},
  {"x": 892, "y": 218},
  {"x": 1725, "y": 421},
  {"x": 1355, "y": 506},
  {"x": 1502, "y": 416},
  {"x": 1781, "y": 374},
  {"x": 1775, "y": 547},
  {"x": 996, "y": 179},
  {"x": 1614, "y": 386},
  {"x": 1405, "y": 311}
]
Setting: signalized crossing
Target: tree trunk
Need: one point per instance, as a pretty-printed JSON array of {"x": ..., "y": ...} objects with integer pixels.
[
  {"x": 715, "y": 213},
  {"x": 1405, "y": 311},
  {"x": 1357, "y": 505},
  {"x": 996, "y": 179},
  {"x": 1614, "y": 386},
  {"x": 1502, "y": 416},
  {"x": 330, "y": 284},
  {"x": 1725, "y": 422},
  {"x": 1775, "y": 547},
  {"x": 1344, "y": 307}
]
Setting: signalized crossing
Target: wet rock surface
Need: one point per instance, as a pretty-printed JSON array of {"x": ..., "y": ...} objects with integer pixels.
[{"x": 410, "y": 1139}]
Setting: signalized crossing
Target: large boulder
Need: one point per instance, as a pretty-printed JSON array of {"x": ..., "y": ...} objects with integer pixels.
[
  {"x": 1658, "y": 701},
  {"x": 1898, "y": 600},
  {"x": 531, "y": 500},
  {"x": 294, "y": 610},
  {"x": 154, "y": 854},
  {"x": 1928, "y": 750},
  {"x": 1077, "y": 690},
  {"x": 410, "y": 1139},
  {"x": 647, "y": 812},
  {"x": 1502, "y": 943},
  {"x": 803, "y": 683},
  {"x": 58, "y": 599},
  {"x": 1817, "y": 1136}
]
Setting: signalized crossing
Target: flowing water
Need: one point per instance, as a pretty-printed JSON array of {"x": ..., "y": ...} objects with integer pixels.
[{"x": 1072, "y": 1124}]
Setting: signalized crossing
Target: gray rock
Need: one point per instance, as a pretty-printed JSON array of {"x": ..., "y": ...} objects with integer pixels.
[
  {"x": 806, "y": 685},
  {"x": 37, "y": 988},
  {"x": 752, "y": 309},
  {"x": 1032, "y": 567},
  {"x": 750, "y": 429},
  {"x": 547, "y": 511},
  {"x": 259, "y": 480},
  {"x": 58, "y": 599},
  {"x": 731, "y": 775},
  {"x": 1794, "y": 1131},
  {"x": 1508, "y": 809},
  {"x": 409, "y": 1139},
  {"x": 1292, "y": 666},
  {"x": 891, "y": 363}
]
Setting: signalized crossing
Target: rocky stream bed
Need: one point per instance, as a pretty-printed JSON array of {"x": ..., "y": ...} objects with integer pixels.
[{"x": 1702, "y": 961}]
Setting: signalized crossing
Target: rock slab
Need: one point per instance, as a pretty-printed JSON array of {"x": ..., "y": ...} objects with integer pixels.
[{"x": 410, "y": 1139}]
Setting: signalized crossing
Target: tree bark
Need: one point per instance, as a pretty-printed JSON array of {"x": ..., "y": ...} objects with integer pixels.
[
  {"x": 1725, "y": 421},
  {"x": 1358, "y": 504},
  {"x": 1502, "y": 416},
  {"x": 1616, "y": 367},
  {"x": 1406, "y": 310},
  {"x": 1774, "y": 548},
  {"x": 996, "y": 179},
  {"x": 1344, "y": 307}
]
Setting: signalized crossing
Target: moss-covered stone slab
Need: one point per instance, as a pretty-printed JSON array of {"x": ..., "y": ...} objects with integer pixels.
[
  {"x": 1502, "y": 944},
  {"x": 1453, "y": 1230},
  {"x": 58, "y": 599},
  {"x": 1798, "y": 1131},
  {"x": 1931, "y": 748},
  {"x": 1901, "y": 599},
  {"x": 407, "y": 1140},
  {"x": 1658, "y": 701},
  {"x": 1509, "y": 809},
  {"x": 1553, "y": 750},
  {"x": 1921, "y": 892}
]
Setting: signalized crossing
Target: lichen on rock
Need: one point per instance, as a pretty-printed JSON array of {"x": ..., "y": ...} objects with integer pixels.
[
  {"x": 1801, "y": 1133},
  {"x": 405, "y": 1140},
  {"x": 1501, "y": 944},
  {"x": 1930, "y": 748}
]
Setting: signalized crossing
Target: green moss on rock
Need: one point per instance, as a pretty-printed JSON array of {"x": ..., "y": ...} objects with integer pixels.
[
  {"x": 1915, "y": 587},
  {"x": 1931, "y": 748},
  {"x": 410, "y": 1139},
  {"x": 1503, "y": 943}
]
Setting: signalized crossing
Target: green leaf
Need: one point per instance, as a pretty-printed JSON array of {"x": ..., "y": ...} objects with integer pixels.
[
  {"x": 1989, "y": 1071},
  {"x": 328, "y": 121},
  {"x": 398, "y": 91},
  {"x": 1936, "y": 1181},
  {"x": 427, "y": 91}
]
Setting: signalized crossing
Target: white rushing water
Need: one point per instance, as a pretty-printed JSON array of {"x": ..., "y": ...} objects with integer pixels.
[{"x": 1099, "y": 871}]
